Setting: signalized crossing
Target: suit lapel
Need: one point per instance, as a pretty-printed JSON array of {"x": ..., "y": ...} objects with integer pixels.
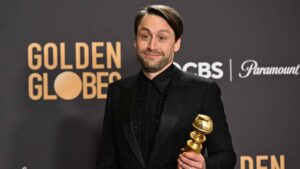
[
  {"x": 127, "y": 97},
  {"x": 170, "y": 113}
]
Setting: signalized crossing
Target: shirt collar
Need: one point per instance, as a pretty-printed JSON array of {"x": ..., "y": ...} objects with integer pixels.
[{"x": 161, "y": 81}]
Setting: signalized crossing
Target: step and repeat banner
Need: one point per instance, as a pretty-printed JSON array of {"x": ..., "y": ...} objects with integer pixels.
[{"x": 58, "y": 58}]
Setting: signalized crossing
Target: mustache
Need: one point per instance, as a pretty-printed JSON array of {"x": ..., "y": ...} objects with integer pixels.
[{"x": 152, "y": 52}]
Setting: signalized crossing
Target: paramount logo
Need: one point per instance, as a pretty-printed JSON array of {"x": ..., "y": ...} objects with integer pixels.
[{"x": 251, "y": 67}]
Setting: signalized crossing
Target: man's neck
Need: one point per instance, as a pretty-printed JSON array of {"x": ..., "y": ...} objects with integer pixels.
[{"x": 152, "y": 75}]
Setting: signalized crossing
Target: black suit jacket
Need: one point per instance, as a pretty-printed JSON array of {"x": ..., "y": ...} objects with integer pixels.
[{"x": 188, "y": 96}]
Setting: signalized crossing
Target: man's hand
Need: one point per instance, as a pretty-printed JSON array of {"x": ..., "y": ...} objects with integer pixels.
[{"x": 191, "y": 160}]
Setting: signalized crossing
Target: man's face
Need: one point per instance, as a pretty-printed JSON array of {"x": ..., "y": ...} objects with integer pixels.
[{"x": 155, "y": 43}]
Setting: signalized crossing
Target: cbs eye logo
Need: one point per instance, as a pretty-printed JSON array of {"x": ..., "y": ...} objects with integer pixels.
[{"x": 203, "y": 69}]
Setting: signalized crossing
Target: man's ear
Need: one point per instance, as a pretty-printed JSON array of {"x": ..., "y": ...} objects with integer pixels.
[
  {"x": 177, "y": 45},
  {"x": 134, "y": 43}
]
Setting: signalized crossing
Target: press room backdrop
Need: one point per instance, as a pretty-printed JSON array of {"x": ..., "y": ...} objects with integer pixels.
[{"x": 58, "y": 57}]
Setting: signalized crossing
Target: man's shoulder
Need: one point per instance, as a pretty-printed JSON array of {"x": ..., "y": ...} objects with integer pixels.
[
  {"x": 125, "y": 81},
  {"x": 191, "y": 78},
  {"x": 196, "y": 83}
]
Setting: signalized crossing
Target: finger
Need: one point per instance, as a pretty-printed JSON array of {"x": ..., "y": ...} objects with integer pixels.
[
  {"x": 182, "y": 165},
  {"x": 193, "y": 156},
  {"x": 186, "y": 162},
  {"x": 179, "y": 167}
]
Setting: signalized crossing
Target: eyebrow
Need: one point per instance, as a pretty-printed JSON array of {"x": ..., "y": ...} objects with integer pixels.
[{"x": 160, "y": 31}]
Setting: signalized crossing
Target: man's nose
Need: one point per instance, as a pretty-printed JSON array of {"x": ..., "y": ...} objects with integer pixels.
[{"x": 152, "y": 44}]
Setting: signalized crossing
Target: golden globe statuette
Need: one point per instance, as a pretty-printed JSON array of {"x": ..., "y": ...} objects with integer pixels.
[{"x": 203, "y": 125}]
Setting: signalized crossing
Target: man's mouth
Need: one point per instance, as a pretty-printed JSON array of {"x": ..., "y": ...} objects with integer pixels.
[{"x": 152, "y": 54}]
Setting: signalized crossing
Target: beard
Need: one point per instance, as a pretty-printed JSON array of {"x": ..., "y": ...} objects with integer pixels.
[{"x": 153, "y": 65}]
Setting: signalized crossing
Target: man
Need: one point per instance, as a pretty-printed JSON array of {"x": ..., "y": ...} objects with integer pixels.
[{"x": 148, "y": 116}]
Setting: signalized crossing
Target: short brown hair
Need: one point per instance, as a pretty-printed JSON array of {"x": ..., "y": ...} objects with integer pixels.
[{"x": 167, "y": 13}]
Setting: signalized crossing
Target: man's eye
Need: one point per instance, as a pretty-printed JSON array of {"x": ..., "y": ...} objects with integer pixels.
[
  {"x": 162, "y": 38},
  {"x": 145, "y": 36}
]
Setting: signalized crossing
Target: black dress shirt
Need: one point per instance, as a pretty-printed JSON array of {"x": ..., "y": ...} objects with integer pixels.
[{"x": 147, "y": 109}]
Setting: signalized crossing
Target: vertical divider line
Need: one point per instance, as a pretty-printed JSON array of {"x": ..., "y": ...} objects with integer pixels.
[{"x": 230, "y": 69}]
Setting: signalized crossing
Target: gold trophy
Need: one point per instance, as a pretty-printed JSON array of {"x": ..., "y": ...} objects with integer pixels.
[{"x": 203, "y": 125}]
